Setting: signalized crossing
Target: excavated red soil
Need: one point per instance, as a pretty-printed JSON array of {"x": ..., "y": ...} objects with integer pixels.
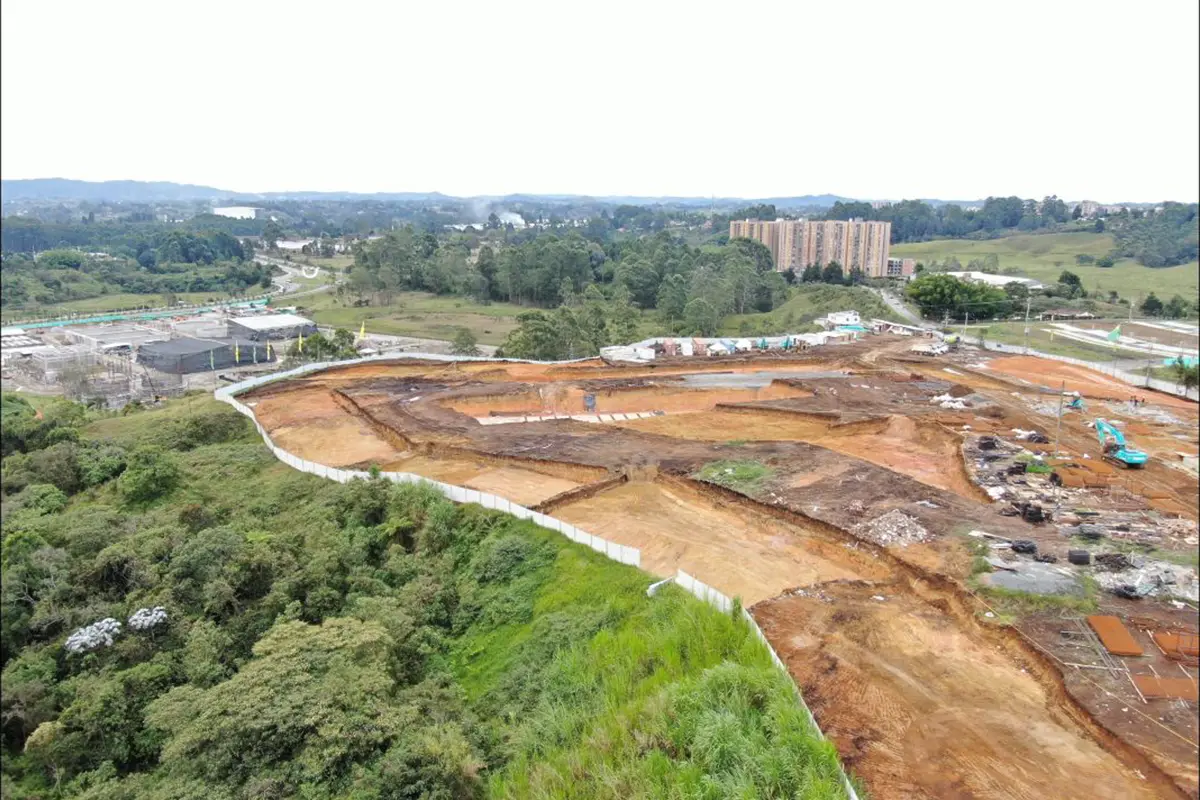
[
  {"x": 919, "y": 709},
  {"x": 919, "y": 699}
]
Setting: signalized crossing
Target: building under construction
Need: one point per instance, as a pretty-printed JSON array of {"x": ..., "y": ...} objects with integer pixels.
[
  {"x": 271, "y": 327},
  {"x": 187, "y": 354}
]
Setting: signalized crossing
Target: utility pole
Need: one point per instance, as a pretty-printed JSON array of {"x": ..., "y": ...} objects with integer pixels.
[
  {"x": 1058, "y": 429},
  {"x": 1153, "y": 341},
  {"x": 966, "y": 319},
  {"x": 1028, "y": 299}
]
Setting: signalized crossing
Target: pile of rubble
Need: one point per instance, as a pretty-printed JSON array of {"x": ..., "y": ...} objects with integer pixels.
[
  {"x": 946, "y": 401},
  {"x": 1008, "y": 472},
  {"x": 893, "y": 528},
  {"x": 1136, "y": 527},
  {"x": 1134, "y": 576}
]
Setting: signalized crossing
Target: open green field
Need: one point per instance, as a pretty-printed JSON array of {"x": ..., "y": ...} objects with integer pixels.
[
  {"x": 1040, "y": 339},
  {"x": 804, "y": 304},
  {"x": 419, "y": 314},
  {"x": 1044, "y": 257}
]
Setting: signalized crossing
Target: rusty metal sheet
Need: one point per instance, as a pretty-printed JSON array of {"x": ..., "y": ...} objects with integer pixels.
[
  {"x": 1115, "y": 637},
  {"x": 1152, "y": 687},
  {"x": 1178, "y": 642}
]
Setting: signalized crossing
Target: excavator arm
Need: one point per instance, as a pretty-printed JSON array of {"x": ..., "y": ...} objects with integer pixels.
[{"x": 1112, "y": 443}]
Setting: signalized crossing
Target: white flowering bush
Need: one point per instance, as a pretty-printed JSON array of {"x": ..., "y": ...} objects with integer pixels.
[
  {"x": 98, "y": 634},
  {"x": 146, "y": 618}
]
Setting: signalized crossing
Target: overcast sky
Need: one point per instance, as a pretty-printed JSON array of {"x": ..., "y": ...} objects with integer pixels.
[{"x": 953, "y": 100}]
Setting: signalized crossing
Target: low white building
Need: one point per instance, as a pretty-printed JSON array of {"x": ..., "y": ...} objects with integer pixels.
[
  {"x": 995, "y": 280},
  {"x": 236, "y": 212},
  {"x": 293, "y": 244},
  {"x": 843, "y": 318}
]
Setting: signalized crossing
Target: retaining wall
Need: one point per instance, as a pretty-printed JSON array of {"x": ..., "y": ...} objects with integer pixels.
[{"x": 715, "y": 598}]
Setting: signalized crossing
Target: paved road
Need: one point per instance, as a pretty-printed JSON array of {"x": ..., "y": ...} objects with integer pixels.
[
  {"x": 286, "y": 284},
  {"x": 897, "y": 305}
]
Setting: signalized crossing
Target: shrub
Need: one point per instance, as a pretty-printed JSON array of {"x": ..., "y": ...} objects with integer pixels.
[
  {"x": 100, "y": 462},
  {"x": 150, "y": 474},
  {"x": 42, "y": 498},
  {"x": 200, "y": 428}
]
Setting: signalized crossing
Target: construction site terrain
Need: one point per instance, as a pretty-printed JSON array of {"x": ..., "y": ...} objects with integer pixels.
[{"x": 924, "y": 540}]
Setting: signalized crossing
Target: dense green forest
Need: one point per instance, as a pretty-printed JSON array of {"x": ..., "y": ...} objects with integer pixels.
[
  {"x": 185, "y": 617},
  {"x": 172, "y": 262},
  {"x": 1160, "y": 240}
]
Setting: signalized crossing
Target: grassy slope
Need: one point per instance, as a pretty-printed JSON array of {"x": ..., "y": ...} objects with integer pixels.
[
  {"x": 1040, "y": 339},
  {"x": 1045, "y": 256},
  {"x": 805, "y": 303},
  {"x": 667, "y": 698},
  {"x": 419, "y": 314}
]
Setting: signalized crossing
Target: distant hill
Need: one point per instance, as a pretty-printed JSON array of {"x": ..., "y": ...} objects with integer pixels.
[
  {"x": 122, "y": 191},
  {"x": 160, "y": 191},
  {"x": 165, "y": 191}
]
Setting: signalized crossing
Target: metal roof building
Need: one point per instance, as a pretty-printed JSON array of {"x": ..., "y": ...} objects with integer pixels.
[
  {"x": 187, "y": 354},
  {"x": 270, "y": 326}
]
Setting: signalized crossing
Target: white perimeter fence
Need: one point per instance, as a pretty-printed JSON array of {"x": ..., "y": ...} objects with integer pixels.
[
  {"x": 715, "y": 598},
  {"x": 1105, "y": 368},
  {"x": 228, "y": 394},
  {"x": 617, "y": 552}
]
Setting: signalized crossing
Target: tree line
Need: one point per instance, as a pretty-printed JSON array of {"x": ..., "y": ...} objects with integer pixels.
[
  {"x": 58, "y": 276},
  {"x": 583, "y": 294}
]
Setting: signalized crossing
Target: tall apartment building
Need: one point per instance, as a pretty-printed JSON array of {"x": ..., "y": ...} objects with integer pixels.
[{"x": 796, "y": 244}]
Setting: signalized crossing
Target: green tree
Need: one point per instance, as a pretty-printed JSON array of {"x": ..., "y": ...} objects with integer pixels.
[
  {"x": 1072, "y": 286},
  {"x": 700, "y": 318},
  {"x": 811, "y": 274},
  {"x": 939, "y": 295},
  {"x": 1177, "y": 308},
  {"x": 672, "y": 297},
  {"x": 832, "y": 273},
  {"x": 1188, "y": 377},
  {"x": 315, "y": 696},
  {"x": 1152, "y": 306},
  {"x": 464, "y": 343},
  {"x": 271, "y": 234},
  {"x": 151, "y": 473}
]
